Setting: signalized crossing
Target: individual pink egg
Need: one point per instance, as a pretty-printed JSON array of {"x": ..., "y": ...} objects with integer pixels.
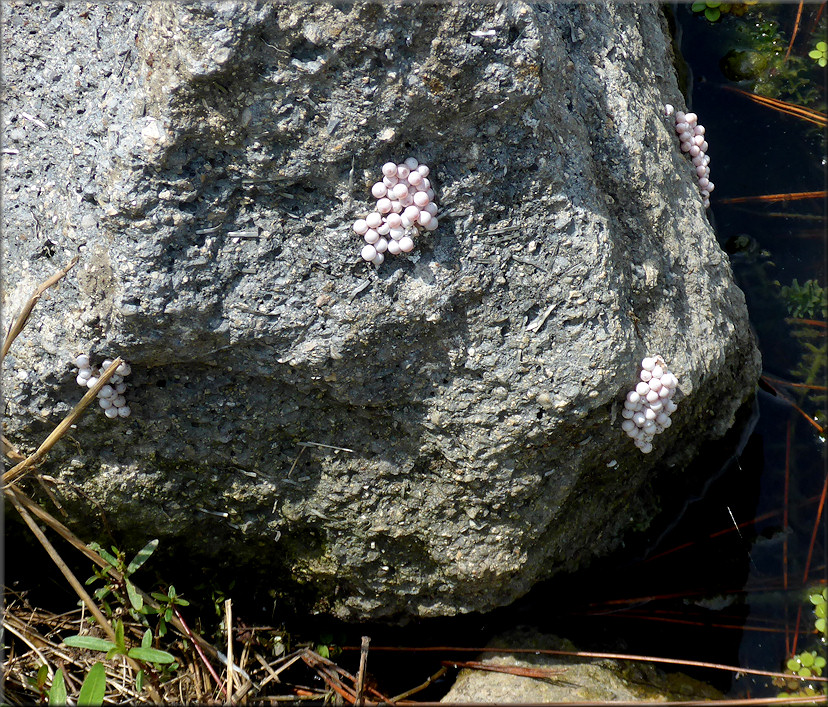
[
  {"x": 706, "y": 203},
  {"x": 415, "y": 178},
  {"x": 655, "y": 384},
  {"x": 680, "y": 117},
  {"x": 406, "y": 222},
  {"x": 426, "y": 184},
  {"x": 698, "y": 130},
  {"x": 371, "y": 237},
  {"x": 700, "y": 170},
  {"x": 378, "y": 259},
  {"x": 704, "y": 183},
  {"x": 698, "y": 161},
  {"x": 694, "y": 150},
  {"x": 430, "y": 193},
  {"x": 381, "y": 245},
  {"x": 411, "y": 163},
  {"x": 704, "y": 146},
  {"x": 393, "y": 220},
  {"x": 710, "y": 187},
  {"x": 389, "y": 169},
  {"x": 691, "y": 118},
  {"x": 425, "y": 218},
  {"x": 706, "y": 159},
  {"x": 379, "y": 190},
  {"x": 682, "y": 127},
  {"x": 406, "y": 244},
  {"x": 402, "y": 171},
  {"x": 360, "y": 226},
  {"x": 396, "y": 207},
  {"x": 384, "y": 206},
  {"x": 407, "y": 200},
  {"x": 393, "y": 247},
  {"x": 369, "y": 253},
  {"x": 686, "y": 146},
  {"x": 432, "y": 225},
  {"x": 400, "y": 190},
  {"x": 390, "y": 181},
  {"x": 383, "y": 229},
  {"x": 642, "y": 389},
  {"x": 698, "y": 140},
  {"x": 432, "y": 208},
  {"x": 421, "y": 199},
  {"x": 423, "y": 169},
  {"x": 373, "y": 219},
  {"x": 705, "y": 193},
  {"x": 412, "y": 212},
  {"x": 652, "y": 396},
  {"x": 396, "y": 233}
]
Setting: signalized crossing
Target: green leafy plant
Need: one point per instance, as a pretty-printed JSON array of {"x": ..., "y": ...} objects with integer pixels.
[
  {"x": 806, "y": 301},
  {"x": 125, "y": 591},
  {"x": 165, "y": 611},
  {"x": 57, "y": 692},
  {"x": 820, "y": 53}
]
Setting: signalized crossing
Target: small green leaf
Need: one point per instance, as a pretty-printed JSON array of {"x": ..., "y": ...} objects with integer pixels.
[
  {"x": 323, "y": 651},
  {"x": 103, "y": 553},
  {"x": 168, "y": 615},
  {"x": 822, "y": 46},
  {"x": 712, "y": 14},
  {"x": 89, "y": 642},
  {"x": 94, "y": 686},
  {"x": 819, "y": 610},
  {"x": 119, "y": 636},
  {"x": 135, "y": 598},
  {"x": 158, "y": 596},
  {"x": 146, "y": 639},
  {"x": 139, "y": 681},
  {"x": 57, "y": 693},
  {"x": 792, "y": 664},
  {"x": 181, "y": 602},
  {"x": 698, "y": 6},
  {"x": 150, "y": 655},
  {"x": 807, "y": 659},
  {"x": 162, "y": 627},
  {"x": 804, "y": 673},
  {"x": 42, "y": 674},
  {"x": 815, "y": 54},
  {"x": 171, "y": 592},
  {"x": 713, "y": 4},
  {"x": 142, "y": 556},
  {"x": 822, "y": 61},
  {"x": 820, "y": 625}
]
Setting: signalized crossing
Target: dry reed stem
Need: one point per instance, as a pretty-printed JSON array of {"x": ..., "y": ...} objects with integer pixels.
[
  {"x": 228, "y": 622},
  {"x": 795, "y": 29},
  {"x": 21, "y": 320},
  {"x": 806, "y": 114},
  {"x": 791, "y": 196},
  {"x": 363, "y": 664},
  {"x": 19, "y": 469}
]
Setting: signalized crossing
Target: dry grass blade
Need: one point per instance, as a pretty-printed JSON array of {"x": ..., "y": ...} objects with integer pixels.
[
  {"x": 414, "y": 690},
  {"x": 20, "y": 322},
  {"x": 363, "y": 664},
  {"x": 228, "y": 622},
  {"x": 19, "y": 469}
]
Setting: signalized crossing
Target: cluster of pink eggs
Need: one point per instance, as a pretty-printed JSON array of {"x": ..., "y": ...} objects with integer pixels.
[
  {"x": 691, "y": 138},
  {"x": 111, "y": 396},
  {"x": 405, "y": 205},
  {"x": 649, "y": 405}
]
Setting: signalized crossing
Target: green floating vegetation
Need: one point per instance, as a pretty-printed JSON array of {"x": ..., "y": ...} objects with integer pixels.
[
  {"x": 713, "y": 11},
  {"x": 808, "y": 663},
  {"x": 820, "y": 54}
]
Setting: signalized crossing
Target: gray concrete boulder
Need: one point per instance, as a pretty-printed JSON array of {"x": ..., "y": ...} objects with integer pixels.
[{"x": 429, "y": 437}]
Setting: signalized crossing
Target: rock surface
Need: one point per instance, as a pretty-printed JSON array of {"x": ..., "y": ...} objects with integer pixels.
[
  {"x": 580, "y": 679},
  {"x": 206, "y": 161}
]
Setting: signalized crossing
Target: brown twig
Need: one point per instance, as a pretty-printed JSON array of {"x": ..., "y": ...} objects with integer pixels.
[
  {"x": 20, "y": 322},
  {"x": 795, "y": 29},
  {"x": 791, "y": 196},
  {"x": 811, "y": 116},
  {"x": 19, "y": 469},
  {"x": 520, "y": 670},
  {"x": 200, "y": 652},
  {"x": 363, "y": 662},
  {"x": 414, "y": 690}
]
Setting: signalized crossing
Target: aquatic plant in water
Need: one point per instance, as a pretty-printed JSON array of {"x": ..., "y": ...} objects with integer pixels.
[
  {"x": 820, "y": 53},
  {"x": 808, "y": 663}
]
